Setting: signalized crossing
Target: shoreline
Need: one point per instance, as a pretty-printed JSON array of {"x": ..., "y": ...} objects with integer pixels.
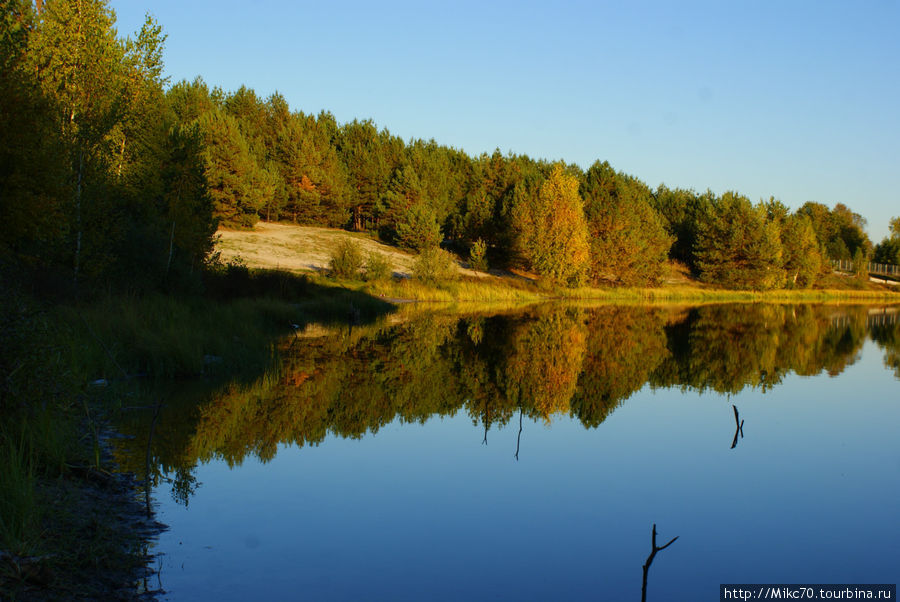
[
  {"x": 99, "y": 532},
  {"x": 99, "y": 545}
]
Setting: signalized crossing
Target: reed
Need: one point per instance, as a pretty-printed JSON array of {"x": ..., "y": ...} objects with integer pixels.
[{"x": 19, "y": 513}]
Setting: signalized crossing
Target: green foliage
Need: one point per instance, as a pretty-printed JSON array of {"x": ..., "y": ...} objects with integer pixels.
[
  {"x": 478, "y": 256},
  {"x": 378, "y": 268},
  {"x": 109, "y": 177},
  {"x": 840, "y": 231},
  {"x": 682, "y": 212},
  {"x": 435, "y": 266},
  {"x": 370, "y": 157},
  {"x": 418, "y": 229},
  {"x": 802, "y": 258},
  {"x": 346, "y": 260},
  {"x": 238, "y": 186},
  {"x": 737, "y": 247},
  {"x": 191, "y": 100},
  {"x": 38, "y": 429},
  {"x": 629, "y": 244},
  {"x": 888, "y": 251},
  {"x": 403, "y": 194},
  {"x": 316, "y": 179}
]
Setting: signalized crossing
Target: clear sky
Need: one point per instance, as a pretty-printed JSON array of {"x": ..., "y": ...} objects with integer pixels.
[{"x": 792, "y": 99}]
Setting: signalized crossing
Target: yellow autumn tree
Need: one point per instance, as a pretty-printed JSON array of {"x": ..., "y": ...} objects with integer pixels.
[{"x": 550, "y": 229}]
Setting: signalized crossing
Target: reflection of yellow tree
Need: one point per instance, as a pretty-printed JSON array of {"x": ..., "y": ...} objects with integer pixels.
[
  {"x": 548, "y": 362},
  {"x": 545, "y": 358},
  {"x": 626, "y": 344},
  {"x": 732, "y": 347},
  {"x": 330, "y": 385}
]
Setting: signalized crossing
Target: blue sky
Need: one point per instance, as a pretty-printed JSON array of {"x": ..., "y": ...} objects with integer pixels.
[{"x": 797, "y": 100}]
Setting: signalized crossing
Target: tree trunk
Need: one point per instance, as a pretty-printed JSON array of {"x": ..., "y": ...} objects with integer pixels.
[
  {"x": 171, "y": 248},
  {"x": 121, "y": 159},
  {"x": 78, "y": 228}
]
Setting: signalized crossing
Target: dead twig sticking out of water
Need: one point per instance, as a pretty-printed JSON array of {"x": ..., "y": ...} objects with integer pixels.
[
  {"x": 739, "y": 427},
  {"x": 653, "y": 551},
  {"x": 519, "y": 438}
]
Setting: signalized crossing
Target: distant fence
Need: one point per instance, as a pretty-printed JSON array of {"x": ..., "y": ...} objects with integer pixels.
[
  {"x": 874, "y": 317},
  {"x": 879, "y": 269}
]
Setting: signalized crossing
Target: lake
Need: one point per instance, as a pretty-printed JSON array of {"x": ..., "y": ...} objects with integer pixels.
[{"x": 527, "y": 455}]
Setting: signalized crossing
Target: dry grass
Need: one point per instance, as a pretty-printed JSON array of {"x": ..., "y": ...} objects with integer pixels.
[
  {"x": 308, "y": 249},
  {"x": 303, "y": 248}
]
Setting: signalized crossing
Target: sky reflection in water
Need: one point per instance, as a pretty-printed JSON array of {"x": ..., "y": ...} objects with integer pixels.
[{"x": 413, "y": 511}]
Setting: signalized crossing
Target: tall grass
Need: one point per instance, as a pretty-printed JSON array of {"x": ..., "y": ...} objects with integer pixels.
[
  {"x": 688, "y": 293},
  {"x": 19, "y": 514},
  {"x": 164, "y": 337},
  {"x": 508, "y": 290}
]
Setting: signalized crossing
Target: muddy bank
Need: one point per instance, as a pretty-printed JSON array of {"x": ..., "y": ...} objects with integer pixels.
[{"x": 98, "y": 537}]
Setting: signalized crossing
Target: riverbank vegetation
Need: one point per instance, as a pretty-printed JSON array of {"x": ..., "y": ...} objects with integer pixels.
[
  {"x": 69, "y": 365},
  {"x": 113, "y": 182},
  {"x": 114, "y": 173}
]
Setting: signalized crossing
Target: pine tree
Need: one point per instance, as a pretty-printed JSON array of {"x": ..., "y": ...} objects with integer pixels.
[
  {"x": 737, "y": 247},
  {"x": 238, "y": 186},
  {"x": 629, "y": 244}
]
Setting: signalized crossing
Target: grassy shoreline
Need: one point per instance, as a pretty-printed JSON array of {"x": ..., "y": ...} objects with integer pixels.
[
  {"x": 51, "y": 444},
  {"x": 304, "y": 250},
  {"x": 503, "y": 290},
  {"x": 69, "y": 523}
]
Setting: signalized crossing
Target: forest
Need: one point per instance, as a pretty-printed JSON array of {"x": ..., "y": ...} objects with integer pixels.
[
  {"x": 114, "y": 182},
  {"x": 112, "y": 176}
]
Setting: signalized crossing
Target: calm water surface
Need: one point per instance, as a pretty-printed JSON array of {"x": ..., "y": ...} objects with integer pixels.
[{"x": 527, "y": 456}]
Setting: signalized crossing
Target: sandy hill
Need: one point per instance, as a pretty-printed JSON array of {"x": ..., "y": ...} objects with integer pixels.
[{"x": 301, "y": 248}]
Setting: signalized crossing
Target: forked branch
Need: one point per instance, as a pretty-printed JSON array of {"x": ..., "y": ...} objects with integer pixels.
[{"x": 654, "y": 549}]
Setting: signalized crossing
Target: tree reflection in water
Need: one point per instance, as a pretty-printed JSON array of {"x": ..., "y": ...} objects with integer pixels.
[{"x": 545, "y": 362}]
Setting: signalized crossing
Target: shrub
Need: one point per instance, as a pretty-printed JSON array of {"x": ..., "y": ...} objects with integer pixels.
[
  {"x": 434, "y": 266},
  {"x": 346, "y": 260},
  {"x": 377, "y": 267},
  {"x": 478, "y": 256}
]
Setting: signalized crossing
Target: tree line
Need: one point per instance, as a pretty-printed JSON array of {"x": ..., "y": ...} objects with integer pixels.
[{"x": 111, "y": 174}]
